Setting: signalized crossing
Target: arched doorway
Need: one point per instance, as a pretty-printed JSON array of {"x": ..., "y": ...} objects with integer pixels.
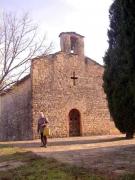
[{"x": 74, "y": 123}]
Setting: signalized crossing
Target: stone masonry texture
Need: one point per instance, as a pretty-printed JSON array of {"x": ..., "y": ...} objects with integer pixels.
[
  {"x": 54, "y": 94},
  {"x": 15, "y": 113},
  {"x": 73, "y": 107}
]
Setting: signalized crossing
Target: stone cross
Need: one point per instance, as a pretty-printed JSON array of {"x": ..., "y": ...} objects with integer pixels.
[{"x": 74, "y": 78}]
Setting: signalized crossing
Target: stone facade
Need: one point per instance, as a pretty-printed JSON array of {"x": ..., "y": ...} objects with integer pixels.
[
  {"x": 67, "y": 87},
  {"x": 55, "y": 94},
  {"x": 15, "y": 112}
]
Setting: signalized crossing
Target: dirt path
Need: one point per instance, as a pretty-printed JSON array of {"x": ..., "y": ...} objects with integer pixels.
[{"x": 111, "y": 155}]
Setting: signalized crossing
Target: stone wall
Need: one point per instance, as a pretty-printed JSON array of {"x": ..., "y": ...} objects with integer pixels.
[
  {"x": 15, "y": 112},
  {"x": 54, "y": 93}
]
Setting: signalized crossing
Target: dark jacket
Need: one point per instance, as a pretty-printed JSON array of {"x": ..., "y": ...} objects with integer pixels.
[{"x": 41, "y": 124}]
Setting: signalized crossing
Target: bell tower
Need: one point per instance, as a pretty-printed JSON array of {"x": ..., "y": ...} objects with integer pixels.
[{"x": 72, "y": 42}]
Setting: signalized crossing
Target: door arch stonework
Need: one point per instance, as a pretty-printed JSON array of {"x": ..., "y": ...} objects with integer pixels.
[{"x": 74, "y": 123}]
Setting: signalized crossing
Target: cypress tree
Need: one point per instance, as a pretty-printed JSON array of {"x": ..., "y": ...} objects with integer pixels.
[{"x": 119, "y": 60}]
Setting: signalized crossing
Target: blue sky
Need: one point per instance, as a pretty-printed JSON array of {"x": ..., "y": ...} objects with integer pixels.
[{"x": 86, "y": 17}]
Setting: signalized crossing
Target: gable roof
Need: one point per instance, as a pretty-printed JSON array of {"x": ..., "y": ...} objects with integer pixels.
[
  {"x": 96, "y": 63},
  {"x": 59, "y": 52},
  {"x": 73, "y": 33},
  {"x": 16, "y": 84},
  {"x": 87, "y": 60}
]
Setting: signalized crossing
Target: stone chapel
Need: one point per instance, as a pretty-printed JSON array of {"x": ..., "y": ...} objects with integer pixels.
[{"x": 67, "y": 87}]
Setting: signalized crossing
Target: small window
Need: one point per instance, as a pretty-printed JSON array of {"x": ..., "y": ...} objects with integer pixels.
[{"x": 73, "y": 43}]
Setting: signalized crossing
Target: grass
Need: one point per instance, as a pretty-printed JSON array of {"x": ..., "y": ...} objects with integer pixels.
[
  {"x": 37, "y": 168},
  {"x": 128, "y": 177}
]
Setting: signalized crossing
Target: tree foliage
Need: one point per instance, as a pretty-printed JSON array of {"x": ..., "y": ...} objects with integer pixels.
[
  {"x": 19, "y": 43},
  {"x": 119, "y": 74}
]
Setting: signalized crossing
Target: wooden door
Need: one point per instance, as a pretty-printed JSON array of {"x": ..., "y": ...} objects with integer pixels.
[{"x": 74, "y": 123}]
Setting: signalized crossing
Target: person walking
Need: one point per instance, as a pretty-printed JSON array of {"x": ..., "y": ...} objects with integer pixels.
[{"x": 42, "y": 122}]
